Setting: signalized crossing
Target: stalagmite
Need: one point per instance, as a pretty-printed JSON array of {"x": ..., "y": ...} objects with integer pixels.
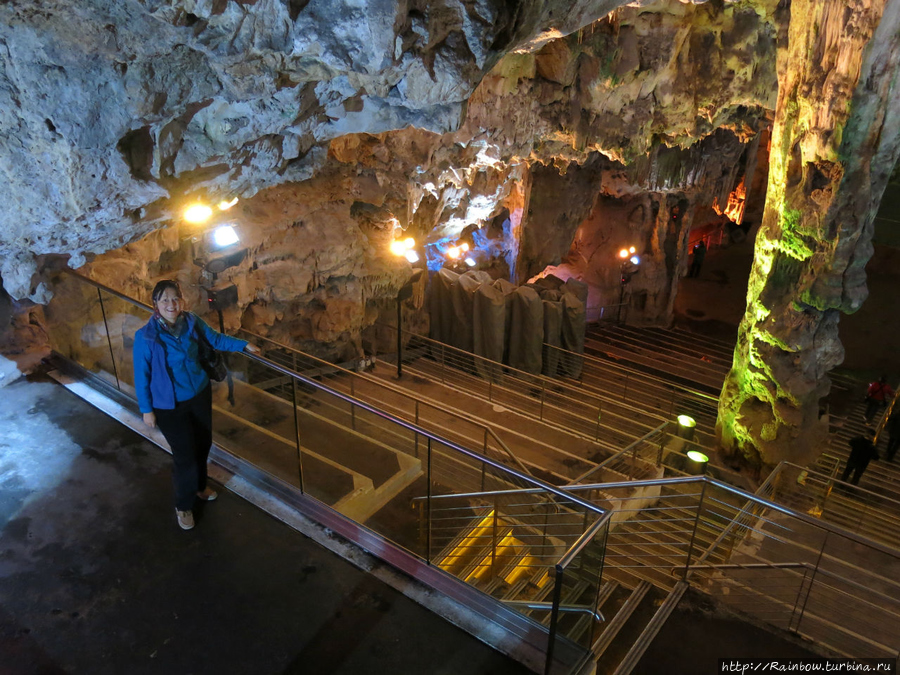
[{"x": 834, "y": 144}]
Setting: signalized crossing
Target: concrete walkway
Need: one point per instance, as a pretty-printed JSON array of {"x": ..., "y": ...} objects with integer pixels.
[{"x": 96, "y": 577}]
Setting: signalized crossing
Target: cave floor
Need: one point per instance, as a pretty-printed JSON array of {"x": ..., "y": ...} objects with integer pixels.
[{"x": 96, "y": 577}]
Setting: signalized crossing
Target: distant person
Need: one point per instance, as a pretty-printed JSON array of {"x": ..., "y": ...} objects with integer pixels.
[
  {"x": 862, "y": 449},
  {"x": 697, "y": 262},
  {"x": 893, "y": 429},
  {"x": 173, "y": 391},
  {"x": 876, "y": 395}
]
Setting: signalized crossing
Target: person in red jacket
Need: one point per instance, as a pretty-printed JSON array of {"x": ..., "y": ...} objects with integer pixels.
[{"x": 876, "y": 395}]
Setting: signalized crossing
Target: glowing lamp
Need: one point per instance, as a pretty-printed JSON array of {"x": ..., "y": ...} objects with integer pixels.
[
  {"x": 635, "y": 260},
  {"x": 687, "y": 421},
  {"x": 411, "y": 256},
  {"x": 623, "y": 253},
  {"x": 397, "y": 247},
  {"x": 464, "y": 247},
  {"x": 470, "y": 262},
  {"x": 197, "y": 213},
  {"x": 225, "y": 205},
  {"x": 225, "y": 235},
  {"x": 631, "y": 250},
  {"x": 453, "y": 252},
  {"x": 686, "y": 425},
  {"x": 409, "y": 243},
  {"x": 697, "y": 463}
]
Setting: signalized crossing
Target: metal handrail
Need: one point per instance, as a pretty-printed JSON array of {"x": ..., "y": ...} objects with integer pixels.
[
  {"x": 540, "y": 484},
  {"x": 629, "y": 372},
  {"x": 545, "y": 382},
  {"x": 651, "y": 482},
  {"x": 579, "y": 609},
  {"x": 401, "y": 392},
  {"x": 509, "y": 472},
  {"x": 624, "y": 451},
  {"x": 886, "y": 416},
  {"x": 856, "y": 488}
]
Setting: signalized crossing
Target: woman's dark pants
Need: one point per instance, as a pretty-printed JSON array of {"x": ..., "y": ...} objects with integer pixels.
[{"x": 188, "y": 429}]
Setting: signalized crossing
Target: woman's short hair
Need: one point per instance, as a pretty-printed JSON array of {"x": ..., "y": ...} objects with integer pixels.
[{"x": 163, "y": 286}]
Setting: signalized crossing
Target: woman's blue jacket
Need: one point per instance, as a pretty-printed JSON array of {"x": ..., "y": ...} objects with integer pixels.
[{"x": 167, "y": 369}]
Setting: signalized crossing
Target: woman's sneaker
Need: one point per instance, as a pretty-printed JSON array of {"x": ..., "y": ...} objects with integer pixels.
[
  {"x": 185, "y": 519},
  {"x": 208, "y": 495}
]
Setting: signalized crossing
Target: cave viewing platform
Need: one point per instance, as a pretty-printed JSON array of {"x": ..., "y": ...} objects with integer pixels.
[{"x": 436, "y": 492}]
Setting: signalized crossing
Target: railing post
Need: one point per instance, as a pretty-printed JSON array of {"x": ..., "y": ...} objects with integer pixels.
[
  {"x": 112, "y": 356},
  {"x": 428, "y": 506},
  {"x": 812, "y": 580},
  {"x": 353, "y": 416},
  {"x": 483, "y": 476},
  {"x": 662, "y": 442},
  {"x": 543, "y": 392},
  {"x": 417, "y": 433},
  {"x": 554, "y": 617},
  {"x": 495, "y": 530},
  {"x": 297, "y": 433},
  {"x": 687, "y": 563},
  {"x": 791, "y": 626}
]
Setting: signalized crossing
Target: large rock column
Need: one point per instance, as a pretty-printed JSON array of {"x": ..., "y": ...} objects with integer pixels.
[{"x": 834, "y": 143}]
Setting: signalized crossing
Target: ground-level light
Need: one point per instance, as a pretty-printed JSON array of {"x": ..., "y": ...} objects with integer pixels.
[{"x": 697, "y": 463}]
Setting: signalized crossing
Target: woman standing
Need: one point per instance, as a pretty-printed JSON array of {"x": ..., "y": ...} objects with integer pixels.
[{"x": 174, "y": 392}]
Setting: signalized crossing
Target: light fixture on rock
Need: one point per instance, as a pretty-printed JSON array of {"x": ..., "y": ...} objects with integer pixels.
[
  {"x": 224, "y": 236},
  {"x": 197, "y": 213},
  {"x": 406, "y": 248},
  {"x": 218, "y": 249},
  {"x": 224, "y": 205}
]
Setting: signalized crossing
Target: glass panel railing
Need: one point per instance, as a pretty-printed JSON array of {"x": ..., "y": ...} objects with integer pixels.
[
  {"x": 579, "y": 618},
  {"x": 418, "y": 491},
  {"x": 77, "y": 328}
]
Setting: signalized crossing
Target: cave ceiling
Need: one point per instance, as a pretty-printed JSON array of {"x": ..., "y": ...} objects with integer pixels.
[{"x": 114, "y": 114}]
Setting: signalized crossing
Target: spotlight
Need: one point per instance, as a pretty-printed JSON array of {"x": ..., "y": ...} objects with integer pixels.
[
  {"x": 464, "y": 247},
  {"x": 197, "y": 213},
  {"x": 635, "y": 260},
  {"x": 697, "y": 463},
  {"x": 631, "y": 250},
  {"x": 225, "y": 235},
  {"x": 623, "y": 253},
  {"x": 470, "y": 262},
  {"x": 411, "y": 256},
  {"x": 397, "y": 247},
  {"x": 453, "y": 252},
  {"x": 409, "y": 243},
  {"x": 225, "y": 205}
]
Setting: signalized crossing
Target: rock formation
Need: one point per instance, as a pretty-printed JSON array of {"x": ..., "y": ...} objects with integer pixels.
[
  {"x": 834, "y": 144},
  {"x": 545, "y": 134}
]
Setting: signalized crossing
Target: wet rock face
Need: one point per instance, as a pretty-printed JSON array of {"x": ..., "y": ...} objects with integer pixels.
[{"x": 834, "y": 144}]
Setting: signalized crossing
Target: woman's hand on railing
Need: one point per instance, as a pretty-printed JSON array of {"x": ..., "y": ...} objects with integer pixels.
[
  {"x": 150, "y": 419},
  {"x": 251, "y": 349}
]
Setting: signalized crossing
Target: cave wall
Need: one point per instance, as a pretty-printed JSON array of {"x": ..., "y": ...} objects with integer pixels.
[
  {"x": 341, "y": 124},
  {"x": 112, "y": 112}
]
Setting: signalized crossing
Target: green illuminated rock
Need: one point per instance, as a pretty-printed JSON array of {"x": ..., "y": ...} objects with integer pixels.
[{"x": 834, "y": 144}]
